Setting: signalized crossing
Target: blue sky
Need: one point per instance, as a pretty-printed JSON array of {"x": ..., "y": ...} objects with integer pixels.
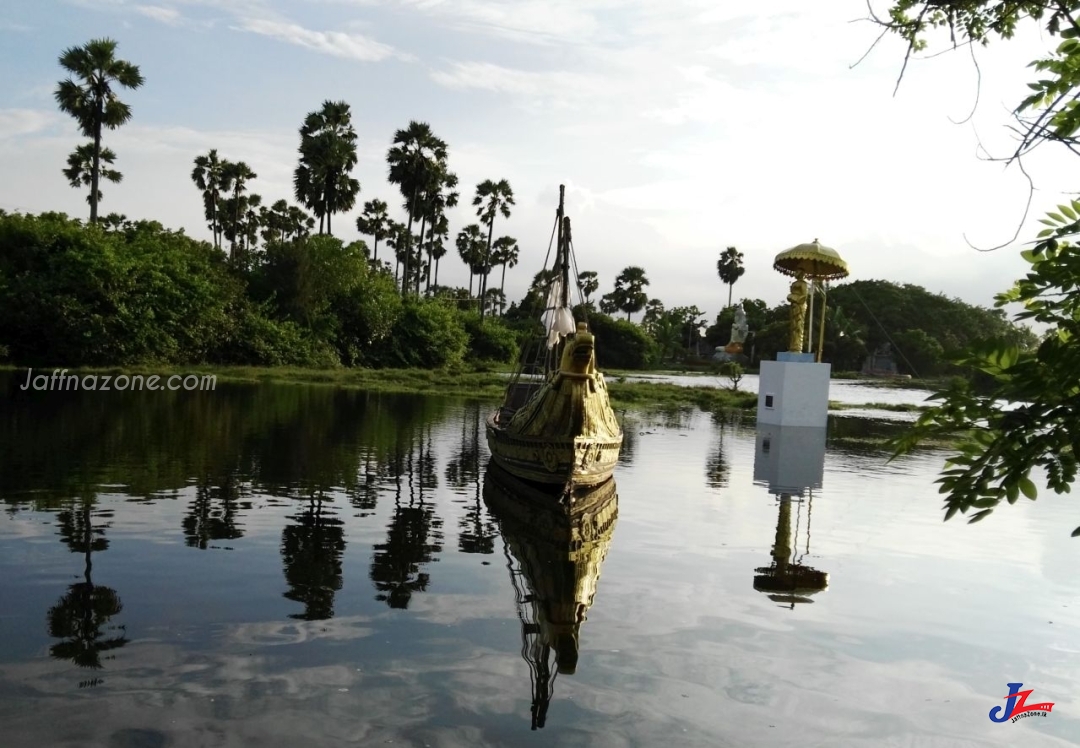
[{"x": 680, "y": 127}]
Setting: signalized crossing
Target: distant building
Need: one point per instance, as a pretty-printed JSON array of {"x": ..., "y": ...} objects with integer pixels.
[{"x": 880, "y": 363}]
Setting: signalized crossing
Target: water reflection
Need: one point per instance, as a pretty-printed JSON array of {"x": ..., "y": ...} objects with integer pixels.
[
  {"x": 790, "y": 462},
  {"x": 554, "y": 556},
  {"x": 311, "y": 549},
  {"x": 213, "y": 513},
  {"x": 476, "y": 530},
  {"x": 414, "y": 535},
  {"x": 80, "y": 619}
]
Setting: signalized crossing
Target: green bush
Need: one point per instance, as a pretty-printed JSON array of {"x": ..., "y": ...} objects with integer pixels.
[
  {"x": 426, "y": 334},
  {"x": 621, "y": 344},
  {"x": 77, "y": 295},
  {"x": 258, "y": 340},
  {"x": 489, "y": 339}
]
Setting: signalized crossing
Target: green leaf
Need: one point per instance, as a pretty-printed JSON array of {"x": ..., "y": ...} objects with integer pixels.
[
  {"x": 1028, "y": 488},
  {"x": 1065, "y": 208},
  {"x": 1075, "y": 533},
  {"x": 1012, "y": 493},
  {"x": 979, "y": 516}
]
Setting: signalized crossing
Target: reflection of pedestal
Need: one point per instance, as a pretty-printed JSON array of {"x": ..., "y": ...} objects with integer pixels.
[
  {"x": 793, "y": 391},
  {"x": 789, "y": 460}
]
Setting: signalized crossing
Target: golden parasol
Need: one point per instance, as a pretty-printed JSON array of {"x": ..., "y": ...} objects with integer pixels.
[
  {"x": 814, "y": 260},
  {"x": 818, "y": 263}
]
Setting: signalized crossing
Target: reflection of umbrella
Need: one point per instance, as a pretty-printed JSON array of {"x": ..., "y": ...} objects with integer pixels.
[{"x": 813, "y": 260}]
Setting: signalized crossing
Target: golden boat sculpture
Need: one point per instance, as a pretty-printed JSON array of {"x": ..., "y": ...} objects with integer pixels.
[
  {"x": 554, "y": 556},
  {"x": 556, "y": 425}
]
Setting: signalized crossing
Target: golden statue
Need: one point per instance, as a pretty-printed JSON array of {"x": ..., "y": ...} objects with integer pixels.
[{"x": 797, "y": 299}]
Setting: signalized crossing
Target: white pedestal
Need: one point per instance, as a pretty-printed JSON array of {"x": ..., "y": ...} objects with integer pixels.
[{"x": 793, "y": 393}]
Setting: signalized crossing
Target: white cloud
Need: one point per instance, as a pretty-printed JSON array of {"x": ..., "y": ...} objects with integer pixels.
[
  {"x": 559, "y": 88},
  {"x": 17, "y": 122},
  {"x": 534, "y": 21},
  {"x": 169, "y": 16},
  {"x": 351, "y": 46}
]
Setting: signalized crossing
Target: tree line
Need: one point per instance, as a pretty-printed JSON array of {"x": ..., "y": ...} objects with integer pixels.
[{"x": 274, "y": 286}]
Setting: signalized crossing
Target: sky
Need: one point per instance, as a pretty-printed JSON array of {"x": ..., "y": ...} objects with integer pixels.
[{"x": 679, "y": 127}]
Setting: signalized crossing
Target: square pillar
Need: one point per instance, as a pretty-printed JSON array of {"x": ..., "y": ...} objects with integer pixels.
[{"x": 793, "y": 391}]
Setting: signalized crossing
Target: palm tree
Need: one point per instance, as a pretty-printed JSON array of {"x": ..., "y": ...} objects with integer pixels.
[
  {"x": 494, "y": 299},
  {"x": 730, "y": 268},
  {"x": 208, "y": 176},
  {"x": 440, "y": 195},
  {"x": 249, "y": 230},
  {"x": 654, "y": 312},
  {"x": 327, "y": 155},
  {"x": 235, "y": 176},
  {"x": 114, "y": 222},
  {"x": 438, "y": 233},
  {"x": 414, "y": 154},
  {"x": 396, "y": 239},
  {"x": 300, "y": 223},
  {"x": 80, "y": 169},
  {"x": 505, "y": 254},
  {"x": 491, "y": 199},
  {"x": 374, "y": 222},
  {"x": 589, "y": 284},
  {"x": 92, "y": 101},
  {"x": 470, "y": 247},
  {"x": 629, "y": 290}
]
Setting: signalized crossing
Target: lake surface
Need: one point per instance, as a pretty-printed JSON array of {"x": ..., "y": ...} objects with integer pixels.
[{"x": 282, "y": 566}]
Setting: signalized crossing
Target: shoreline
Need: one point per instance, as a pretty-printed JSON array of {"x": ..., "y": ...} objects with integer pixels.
[{"x": 481, "y": 384}]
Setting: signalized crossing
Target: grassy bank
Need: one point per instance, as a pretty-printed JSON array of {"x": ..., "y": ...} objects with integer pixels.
[{"x": 486, "y": 384}]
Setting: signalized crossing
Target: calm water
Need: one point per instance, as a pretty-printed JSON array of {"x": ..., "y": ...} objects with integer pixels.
[{"x": 282, "y": 566}]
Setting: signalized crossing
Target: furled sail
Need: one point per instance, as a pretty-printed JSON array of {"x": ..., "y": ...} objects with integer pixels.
[{"x": 558, "y": 319}]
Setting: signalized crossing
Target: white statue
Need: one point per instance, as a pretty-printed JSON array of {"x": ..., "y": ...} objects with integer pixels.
[{"x": 739, "y": 328}]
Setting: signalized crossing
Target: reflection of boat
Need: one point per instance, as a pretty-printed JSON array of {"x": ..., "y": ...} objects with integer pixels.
[
  {"x": 554, "y": 558},
  {"x": 556, "y": 424}
]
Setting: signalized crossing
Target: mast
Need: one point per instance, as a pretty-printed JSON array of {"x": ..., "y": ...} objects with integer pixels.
[{"x": 564, "y": 249}]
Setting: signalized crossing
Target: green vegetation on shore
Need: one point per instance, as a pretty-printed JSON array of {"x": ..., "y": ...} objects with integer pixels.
[{"x": 485, "y": 385}]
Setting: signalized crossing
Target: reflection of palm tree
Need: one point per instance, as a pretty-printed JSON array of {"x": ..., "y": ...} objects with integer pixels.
[
  {"x": 204, "y": 522},
  {"x": 411, "y": 541},
  {"x": 629, "y": 447},
  {"x": 79, "y": 616},
  {"x": 477, "y": 530},
  {"x": 717, "y": 469},
  {"x": 311, "y": 550},
  {"x": 412, "y": 538},
  {"x": 554, "y": 560}
]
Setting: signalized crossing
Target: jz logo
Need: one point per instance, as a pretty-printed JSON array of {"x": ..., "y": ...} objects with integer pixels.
[{"x": 1016, "y": 707}]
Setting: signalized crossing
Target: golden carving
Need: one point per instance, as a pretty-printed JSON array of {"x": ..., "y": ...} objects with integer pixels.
[{"x": 797, "y": 299}]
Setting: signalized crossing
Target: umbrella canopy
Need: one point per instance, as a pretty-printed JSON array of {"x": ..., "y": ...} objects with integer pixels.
[{"x": 813, "y": 260}]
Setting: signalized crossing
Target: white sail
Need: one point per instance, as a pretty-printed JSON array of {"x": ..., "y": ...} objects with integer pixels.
[{"x": 558, "y": 320}]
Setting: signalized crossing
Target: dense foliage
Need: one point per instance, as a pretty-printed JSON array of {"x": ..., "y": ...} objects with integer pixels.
[
  {"x": 74, "y": 294},
  {"x": 927, "y": 333}
]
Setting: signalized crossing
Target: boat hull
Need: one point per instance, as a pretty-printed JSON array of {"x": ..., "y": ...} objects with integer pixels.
[{"x": 578, "y": 460}]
